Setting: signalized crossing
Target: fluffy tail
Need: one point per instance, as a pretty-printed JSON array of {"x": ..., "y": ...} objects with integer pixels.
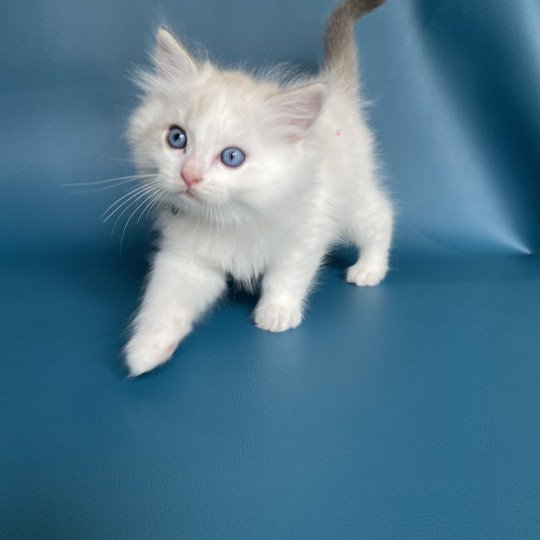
[{"x": 341, "y": 59}]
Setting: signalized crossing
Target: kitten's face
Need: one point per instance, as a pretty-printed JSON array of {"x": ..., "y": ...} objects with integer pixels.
[{"x": 220, "y": 139}]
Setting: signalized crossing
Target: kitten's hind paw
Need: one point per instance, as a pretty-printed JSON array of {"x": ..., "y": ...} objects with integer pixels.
[
  {"x": 277, "y": 318},
  {"x": 364, "y": 275}
]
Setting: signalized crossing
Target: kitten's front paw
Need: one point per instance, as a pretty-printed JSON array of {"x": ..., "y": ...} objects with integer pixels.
[
  {"x": 366, "y": 275},
  {"x": 277, "y": 318},
  {"x": 149, "y": 349}
]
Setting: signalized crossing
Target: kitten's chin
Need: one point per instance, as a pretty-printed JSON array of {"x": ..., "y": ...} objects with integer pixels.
[
  {"x": 190, "y": 199},
  {"x": 200, "y": 198},
  {"x": 190, "y": 196},
  {"x": 224, "y": 212},
  {"x": 192, "y": 202}
]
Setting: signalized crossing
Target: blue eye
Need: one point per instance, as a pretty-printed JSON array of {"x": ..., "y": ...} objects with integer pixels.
[
  {"x": 233, "y": 157},
  {"x": 177, "y": 138}
]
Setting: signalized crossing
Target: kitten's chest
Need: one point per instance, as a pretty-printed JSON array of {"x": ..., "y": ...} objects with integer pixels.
[
  {"x": 242, "y": 255},
  {"x": 242, "y": 251}
]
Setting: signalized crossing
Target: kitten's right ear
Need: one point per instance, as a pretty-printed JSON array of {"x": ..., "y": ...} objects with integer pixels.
[
  {"x": 296, "y": 110},
  {"x": 171, "y": 58}
]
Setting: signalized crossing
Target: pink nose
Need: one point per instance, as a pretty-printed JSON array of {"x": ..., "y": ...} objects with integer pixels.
[{"x": 190, "y": 177}]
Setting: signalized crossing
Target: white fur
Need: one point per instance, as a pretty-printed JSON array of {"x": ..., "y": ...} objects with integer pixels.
[{"x": 309, "y": 181}]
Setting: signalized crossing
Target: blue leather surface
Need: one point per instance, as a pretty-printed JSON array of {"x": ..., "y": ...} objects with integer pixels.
[{"x": 407, "y": 410}]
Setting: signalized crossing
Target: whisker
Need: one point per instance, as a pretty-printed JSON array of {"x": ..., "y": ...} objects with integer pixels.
[
  {"x": 127, "y": 196},
  {"x": 157, "y": 203},
  {"x": 152, "y": 202},
  {"x": 214, "y": 221},
  {"x": 207, "y": 222},
  {"x": 129, "y": 219},
  {"x": 210, "y": 222},
  {"x": 128, "y": 204},
  {"x": 113, "y": 186},
  {"x": 132, "y": 177},
  {"x": 140, "y": 196},
  {"x": 203, "y": 218},
  {"x": 148, "y": 203},
  {"x": 132, "y": 191},
  {"x": 123, "y": 160}
]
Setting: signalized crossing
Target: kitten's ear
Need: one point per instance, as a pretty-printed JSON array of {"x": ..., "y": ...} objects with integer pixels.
[
  {"x": 171, "y": 58},
  {"x": 296, "y": 110}
]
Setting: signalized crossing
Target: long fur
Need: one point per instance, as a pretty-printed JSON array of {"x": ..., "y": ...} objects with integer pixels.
[
  {"x": 309, "y": 181},
  {"x": 340, "y": 49}
]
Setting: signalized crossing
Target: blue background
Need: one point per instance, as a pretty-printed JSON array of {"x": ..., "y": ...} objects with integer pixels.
[{"x": 407, "y": 410}]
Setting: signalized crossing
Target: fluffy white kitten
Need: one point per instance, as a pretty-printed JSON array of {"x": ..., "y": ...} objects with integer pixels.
[{"x": 257, "y": 178}]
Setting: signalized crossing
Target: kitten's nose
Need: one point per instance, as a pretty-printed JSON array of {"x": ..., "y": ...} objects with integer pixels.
[{"x": 190, "y": 176}]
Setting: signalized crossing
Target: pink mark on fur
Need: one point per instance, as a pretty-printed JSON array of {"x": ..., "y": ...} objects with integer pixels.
[{"x": 338, "y": 133}]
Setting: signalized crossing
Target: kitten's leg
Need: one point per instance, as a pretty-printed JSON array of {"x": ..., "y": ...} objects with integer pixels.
[
  {"x": 179, "y": 291},
  {"x": 284, "y": 289},
  {"x": 371, "y": 230}
]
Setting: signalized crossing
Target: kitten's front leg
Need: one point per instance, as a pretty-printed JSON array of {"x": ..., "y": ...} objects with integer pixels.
[
  {"x": 284, "y": 290},
  {"x": 179, "y": 291}
]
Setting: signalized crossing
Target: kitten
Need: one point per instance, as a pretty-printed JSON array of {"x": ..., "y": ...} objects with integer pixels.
[{"x": 257, "y": 179}]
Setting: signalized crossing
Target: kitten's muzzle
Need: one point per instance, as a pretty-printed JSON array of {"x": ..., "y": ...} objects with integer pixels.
[{"x": 190, "y": 176}]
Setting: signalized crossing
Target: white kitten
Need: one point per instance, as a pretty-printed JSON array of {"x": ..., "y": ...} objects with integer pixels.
[{"x": 255, "y": 178}]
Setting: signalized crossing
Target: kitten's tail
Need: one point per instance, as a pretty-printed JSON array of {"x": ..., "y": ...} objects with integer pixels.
[{"x": 341, "y": 58}]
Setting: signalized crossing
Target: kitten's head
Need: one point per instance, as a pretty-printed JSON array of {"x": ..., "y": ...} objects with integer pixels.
[{"x": 222, "y": 138}]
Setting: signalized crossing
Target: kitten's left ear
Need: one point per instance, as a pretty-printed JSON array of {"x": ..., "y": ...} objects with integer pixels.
[
  {"x": 296, "y": 110},
  {"x": 171, "y": 58}
]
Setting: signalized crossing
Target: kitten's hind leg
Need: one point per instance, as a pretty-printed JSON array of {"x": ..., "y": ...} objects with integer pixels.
[{"x": 371, "y": 230}]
